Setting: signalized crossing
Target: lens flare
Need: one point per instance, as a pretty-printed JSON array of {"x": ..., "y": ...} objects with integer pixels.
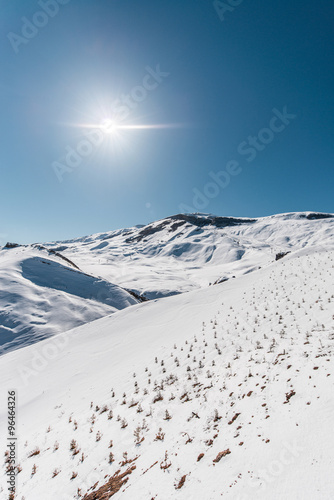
[{"x": 109, "y": 126}]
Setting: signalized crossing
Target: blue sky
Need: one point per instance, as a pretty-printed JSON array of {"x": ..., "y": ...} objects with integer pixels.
[{"x": 242, "y": 91}]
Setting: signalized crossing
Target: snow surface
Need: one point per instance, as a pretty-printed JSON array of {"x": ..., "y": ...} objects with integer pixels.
[{"x": 244, "y": 367}]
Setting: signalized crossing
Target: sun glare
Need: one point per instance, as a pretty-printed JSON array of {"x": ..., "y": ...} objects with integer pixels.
[{"x": 109, "y": 126}]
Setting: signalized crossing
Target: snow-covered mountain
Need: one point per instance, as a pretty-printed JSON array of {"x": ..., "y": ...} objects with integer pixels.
[
  {"x": 223, "y": 391},
  {"x": 43, "y": 293},
  {"x": 188, "y": 251},
  {"x": 51, "y": 288}
]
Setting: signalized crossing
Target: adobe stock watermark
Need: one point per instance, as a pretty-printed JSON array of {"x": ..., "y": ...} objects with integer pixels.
[
  {"x": 228, "y": 6},
  {"x": 94, "y": 477},
  {"x": 123, "y": 106},
  {"x": 41, "y": 356},
  {"x": 120, "y": 109},
  {"x": 30, "y": 28},
  {"x": 250, "y": 148},
  {"x": 275, "y": 468}
]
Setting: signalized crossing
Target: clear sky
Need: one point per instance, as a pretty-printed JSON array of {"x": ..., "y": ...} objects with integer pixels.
[{"x": 120, "y": 112}]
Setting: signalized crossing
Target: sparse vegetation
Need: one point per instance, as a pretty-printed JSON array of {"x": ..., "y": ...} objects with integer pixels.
[{"x": 34, "y": 453}]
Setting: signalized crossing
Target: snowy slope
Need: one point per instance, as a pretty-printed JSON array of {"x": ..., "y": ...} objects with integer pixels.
[
  {"x": 42, "y": 294},
  {"x": 188, "y": 251},
  {"x": 244, "y": 370}
]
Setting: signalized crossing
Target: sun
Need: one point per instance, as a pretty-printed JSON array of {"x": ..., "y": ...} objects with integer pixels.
[{"x": 110, "y": 126}]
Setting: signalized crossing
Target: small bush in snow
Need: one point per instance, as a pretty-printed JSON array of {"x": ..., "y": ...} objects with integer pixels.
[
  {"x": 104, "y": 409},
  {"x": 167, "y": 415},
  {"x": 138, "y": 435},
  {"x": 166, "y": 463},
  {"x": 98, "y": 436},
  {"x": 160, "y": 435},
  {"x": 35, "y": 452},
  {"x": 158, "y": 397},
  {"x": 123, "y": 423},
  {"x": 74, "y": 447}
]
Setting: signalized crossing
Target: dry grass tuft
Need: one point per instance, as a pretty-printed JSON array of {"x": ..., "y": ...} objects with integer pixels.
[
  {"x": 113, "y": 485},
  {"x": 221, "y": 454},
  {"x": 181, "y": 482}
]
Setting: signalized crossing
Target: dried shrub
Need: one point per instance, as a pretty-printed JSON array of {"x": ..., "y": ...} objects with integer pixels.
[
  {"x": 35, "y": 452},
  {"x": 98, "y": 436},
  {"x": 167, "y": 415},
  {"x": 233, "y": 418},
  {"x": 166, "y": 463},
  {"x": 113, "y": 485},
  {"x": 160, "y": 435},
  {"x": 158, "y": 397},
  {"x": 55, "y": 472},
  {"x": 221, "y": 454},
  {"x": 181, "y": 482},
  {"x": 74, "y": 447},
  {"x": 289, "y": 395}
]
